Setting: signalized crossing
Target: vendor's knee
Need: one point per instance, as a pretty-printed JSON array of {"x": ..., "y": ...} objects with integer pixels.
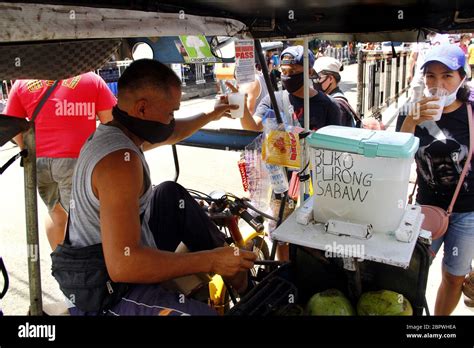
[
  {"x": 168, "y": 192},
  {"x": 168, "y": 187}
]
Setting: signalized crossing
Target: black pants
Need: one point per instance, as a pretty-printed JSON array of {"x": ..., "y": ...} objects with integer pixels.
[{"x": 176, "y": 217}]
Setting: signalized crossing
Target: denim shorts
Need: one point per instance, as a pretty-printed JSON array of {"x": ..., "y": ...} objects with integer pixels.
[{"x": 458, "y": 244}]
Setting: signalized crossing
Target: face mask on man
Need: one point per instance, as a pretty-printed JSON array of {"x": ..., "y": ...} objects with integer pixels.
[
  {"x": 151, "y": 131},
  {"x": 292, "y": 83},
  {"x": 319, "y": 85}
]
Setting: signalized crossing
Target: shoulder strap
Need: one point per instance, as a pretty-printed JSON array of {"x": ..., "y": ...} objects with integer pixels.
[
  {"x": 468, "y": 159},
  {"x": 339, "y": 95},
  {"x": 22, "y": 153},
  {"x": 410, "y": 198},
  {"x": 347, "y": 106},
  {"x": 43, "y": 100}
]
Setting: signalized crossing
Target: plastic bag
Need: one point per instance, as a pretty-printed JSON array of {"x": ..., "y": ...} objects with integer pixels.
[{"x": 255, "y": 175}]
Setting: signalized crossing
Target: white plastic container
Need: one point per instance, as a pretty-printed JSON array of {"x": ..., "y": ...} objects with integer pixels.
[{"x": 361, "y": 175}]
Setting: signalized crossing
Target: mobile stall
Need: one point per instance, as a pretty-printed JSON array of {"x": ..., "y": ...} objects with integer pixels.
[{"x": 58, "y": 40}]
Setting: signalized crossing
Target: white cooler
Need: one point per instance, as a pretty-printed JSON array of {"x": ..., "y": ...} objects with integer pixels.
[{"x": 361, "y": 176}]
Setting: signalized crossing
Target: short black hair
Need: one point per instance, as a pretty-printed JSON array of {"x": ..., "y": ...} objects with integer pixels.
[{"x": 148, "y": 73}]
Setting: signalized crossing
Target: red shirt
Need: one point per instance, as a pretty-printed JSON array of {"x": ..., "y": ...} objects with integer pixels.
[{"x": 67, "y": 118}]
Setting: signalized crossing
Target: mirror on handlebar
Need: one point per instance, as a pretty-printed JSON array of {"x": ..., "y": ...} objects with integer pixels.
[
  {"x": 223, "y": 47},
  {"x": 217, "y": 194}
]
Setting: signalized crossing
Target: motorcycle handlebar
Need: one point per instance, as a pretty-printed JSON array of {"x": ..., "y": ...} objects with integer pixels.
[
  {"x": 240, "y": 210},
  {"x": 238, "y": 207}
]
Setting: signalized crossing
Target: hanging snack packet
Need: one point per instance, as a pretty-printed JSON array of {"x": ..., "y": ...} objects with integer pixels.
[{"x": 282, "y": 148}]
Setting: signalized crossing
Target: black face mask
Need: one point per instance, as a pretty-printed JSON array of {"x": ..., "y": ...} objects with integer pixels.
[
  {"x": 319, "y": 85},
  {"x": 292, "y": 83},
  {"x": 151, "y": 131}
]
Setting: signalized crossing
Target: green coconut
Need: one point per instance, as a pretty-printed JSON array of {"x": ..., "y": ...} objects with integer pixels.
[
  {"x": 383, "y": 302},
  {"x": 329, "y": 302}
]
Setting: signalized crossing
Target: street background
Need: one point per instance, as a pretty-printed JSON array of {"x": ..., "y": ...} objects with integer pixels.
[{"x": 201, "y": 169}]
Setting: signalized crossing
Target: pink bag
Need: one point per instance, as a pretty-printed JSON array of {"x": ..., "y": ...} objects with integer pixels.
[{"x": 436, "y": 220}]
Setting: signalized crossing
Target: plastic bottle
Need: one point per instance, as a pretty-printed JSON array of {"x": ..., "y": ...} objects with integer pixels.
[{"x": 278, "y": 178}]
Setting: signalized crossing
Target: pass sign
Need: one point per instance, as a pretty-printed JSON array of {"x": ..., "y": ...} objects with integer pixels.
[{"x": 245, "y": 61}]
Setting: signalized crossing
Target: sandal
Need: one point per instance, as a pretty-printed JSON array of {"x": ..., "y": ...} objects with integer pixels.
[
  {"x": 468, "y": 290},
  {"x": 468, "y": 302}
]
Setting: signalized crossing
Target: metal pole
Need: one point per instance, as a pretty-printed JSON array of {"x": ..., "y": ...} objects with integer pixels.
[
  {"x": 306, "y": 83},
  {"x": 304, "y": 188},
  {"x": 360, "y": 82},
  {"x": 266, "y": 76},
  {"x": 176, "y": 162},
  {"x": 31, "y": 210}
]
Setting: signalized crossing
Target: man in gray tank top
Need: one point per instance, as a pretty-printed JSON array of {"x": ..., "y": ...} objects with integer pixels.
[{"x": 140, "y": 227}]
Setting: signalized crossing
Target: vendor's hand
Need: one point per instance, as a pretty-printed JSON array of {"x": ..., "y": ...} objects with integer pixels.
[
  {"x": 222, "y": 108},
  {"x": 423, "y": 111},
  {"x": 236, "y": 90},
  {"x": 228, "y": 261}
]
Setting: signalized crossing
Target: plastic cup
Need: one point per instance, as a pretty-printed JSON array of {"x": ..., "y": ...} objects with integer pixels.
[
  {"x": 441, "y": 93},
  {"x": 237, "y": 99}
]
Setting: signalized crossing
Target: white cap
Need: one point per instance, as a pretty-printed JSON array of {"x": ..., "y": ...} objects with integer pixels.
[{"x": 328, "y": 64}]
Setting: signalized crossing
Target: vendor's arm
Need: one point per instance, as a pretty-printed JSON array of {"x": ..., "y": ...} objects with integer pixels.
[
  {"x": 419, "y": 114},
  {"x": 117, "y": 182},
  {"x": 186, "y": 127}
]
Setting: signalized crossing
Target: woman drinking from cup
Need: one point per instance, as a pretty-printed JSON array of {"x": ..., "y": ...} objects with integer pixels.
[{"x": 440, "y": 120}]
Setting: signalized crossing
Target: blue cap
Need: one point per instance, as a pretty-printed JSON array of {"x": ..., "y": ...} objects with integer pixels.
[
  {"x": 450, "y": 55},
  {"x": 294, "y": 55}
]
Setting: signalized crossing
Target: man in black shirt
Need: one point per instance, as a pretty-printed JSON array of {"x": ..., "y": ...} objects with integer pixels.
[
  {"x": 327, "y": 72},
  {"x": 323, "y": 111}
]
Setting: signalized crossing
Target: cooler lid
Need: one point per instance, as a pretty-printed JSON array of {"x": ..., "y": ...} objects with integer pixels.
[{"x": 367, "y": 142}]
